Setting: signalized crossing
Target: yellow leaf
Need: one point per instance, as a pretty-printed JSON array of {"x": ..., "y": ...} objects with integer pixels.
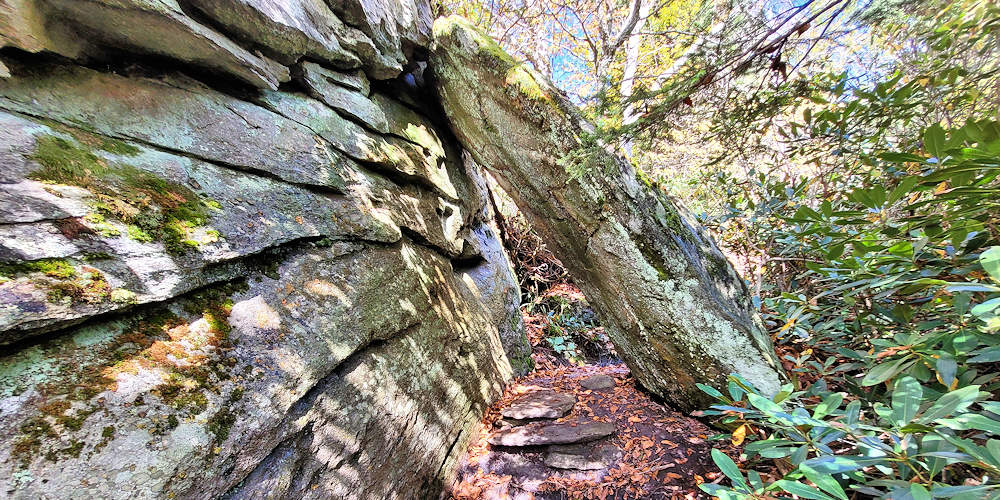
[
  {"x": 739, "y": 435},
  {"x": 787, "y": 325}
]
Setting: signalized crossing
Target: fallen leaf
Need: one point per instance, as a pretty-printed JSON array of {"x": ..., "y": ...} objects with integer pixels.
[{"x": 739, "y": 435}]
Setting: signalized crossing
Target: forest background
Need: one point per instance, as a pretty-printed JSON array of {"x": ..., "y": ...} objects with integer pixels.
[{"x": 846, "y": 156}]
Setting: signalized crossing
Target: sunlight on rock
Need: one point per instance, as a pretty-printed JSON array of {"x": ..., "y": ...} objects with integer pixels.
[{"x": 254, "y": 316}]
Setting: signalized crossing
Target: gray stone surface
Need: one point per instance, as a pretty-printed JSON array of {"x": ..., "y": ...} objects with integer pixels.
[
  {"x": 540, "y": 404},
  {"x": 598, "y": 382},
  {"x": 251, "y": 40},
  {"x": 538, "y": 434},
  {"x": 142, "y": 26},
  {"x": 287, "y": 30},
  {"x": 392, "y": 24}
]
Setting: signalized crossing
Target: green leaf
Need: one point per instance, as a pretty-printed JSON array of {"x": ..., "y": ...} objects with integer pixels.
[
  {"x": 934, "y": 140},
  {"x": 985, "y": 308},
  {"x": 951, "y": 491},
  {"x": 829, "y": 403},
  {"x": 712, "y": 392},
  {"x": 852, "y": 413},
  {"x": 972, "y": 287},
  {"x": 988, "y": 355},
  {"x": 904, "y": 187},
  {"x": 802, "y": 490},
  {"x": 918, "y": 492},
  {"x": 946, "y": 367},
  {"x": 835, "y": 251},
  {"x": 885, "y": 371},
  {"x": 768, "y": 443},
  {"x": 990, "y": 260},
  {"x": 971, "y": 421},
  {"x": 728, "y": 467},
  {"x": 763, "y": 404},
  {"x": 950, "y": 403},
  {"x": 906, "y": 400},
  {"x": 836, "y": 464},
  {"x": 913, "y": 428},
  {"x": 932, "y": 443},
  {"x": 825, "y": 482}
]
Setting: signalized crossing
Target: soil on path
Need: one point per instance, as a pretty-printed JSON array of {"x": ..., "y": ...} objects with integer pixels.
[{"x": 658, "y": 453}]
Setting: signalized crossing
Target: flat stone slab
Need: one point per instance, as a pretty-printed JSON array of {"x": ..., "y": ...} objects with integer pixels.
[
  {"x": 540, "y": 404},
  {"x": 582, "y": 456},
  {"x": 538, "y": 434},
  {"x": 598, "y": 382}
]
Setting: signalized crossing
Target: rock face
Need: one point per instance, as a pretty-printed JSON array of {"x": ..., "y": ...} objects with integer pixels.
[
  {"x": 673, "y": 305},
  {"x": 213, "y": 288}
]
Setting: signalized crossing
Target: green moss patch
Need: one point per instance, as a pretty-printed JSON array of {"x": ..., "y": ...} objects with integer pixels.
[
  {"x": 90, "y": 287},
  {"x": 222, "y": 422},
  {"x": 87, "y": 136},
  {"x": 60, "y": 279},
  {"x": 153, "y": 208},
  {"x": 521, "y": 78},
  {"x": 445, "y": 26},
  {"x": 53, "y": 268}
]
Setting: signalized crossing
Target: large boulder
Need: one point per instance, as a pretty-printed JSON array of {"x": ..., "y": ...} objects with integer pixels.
[
  {"x": 214, "y": 288},
  {"x": 676, "y": 310}
]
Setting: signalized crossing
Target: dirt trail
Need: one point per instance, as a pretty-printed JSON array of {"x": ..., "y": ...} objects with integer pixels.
[{"x": 654, "y": 453}]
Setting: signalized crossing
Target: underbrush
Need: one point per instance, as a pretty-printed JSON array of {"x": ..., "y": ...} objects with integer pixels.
[
  {"x": 563, "y": 329},
  {"x": 887, "y": 325}
]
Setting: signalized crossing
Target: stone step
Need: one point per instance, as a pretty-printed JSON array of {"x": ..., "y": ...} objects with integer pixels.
[
  {"x": 591, "y": 456},
  {"x": 598, "y": 382},
  {"x": 538, "y": 434},
  {"x": 540, "y": 404}
]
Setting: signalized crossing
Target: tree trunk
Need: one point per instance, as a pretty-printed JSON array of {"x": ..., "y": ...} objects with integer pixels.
[
  {"x": 676, "y": 310},
  {"x": 632, "y": 46}
]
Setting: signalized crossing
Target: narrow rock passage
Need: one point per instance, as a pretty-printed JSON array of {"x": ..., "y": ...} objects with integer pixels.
[{"x": 614, "y": 443}]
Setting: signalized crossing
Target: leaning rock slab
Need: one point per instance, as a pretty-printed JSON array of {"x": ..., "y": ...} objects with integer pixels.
[
  {"x": 540, "y": 404},
  {"x": 676, "y": 309},
  {"x": 579, "y": 431}
]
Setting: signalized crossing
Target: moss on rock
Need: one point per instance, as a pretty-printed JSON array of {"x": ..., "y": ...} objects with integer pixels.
[
  {"x": 153, "y": 208},
  {"x": 54, "y": 268}
]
